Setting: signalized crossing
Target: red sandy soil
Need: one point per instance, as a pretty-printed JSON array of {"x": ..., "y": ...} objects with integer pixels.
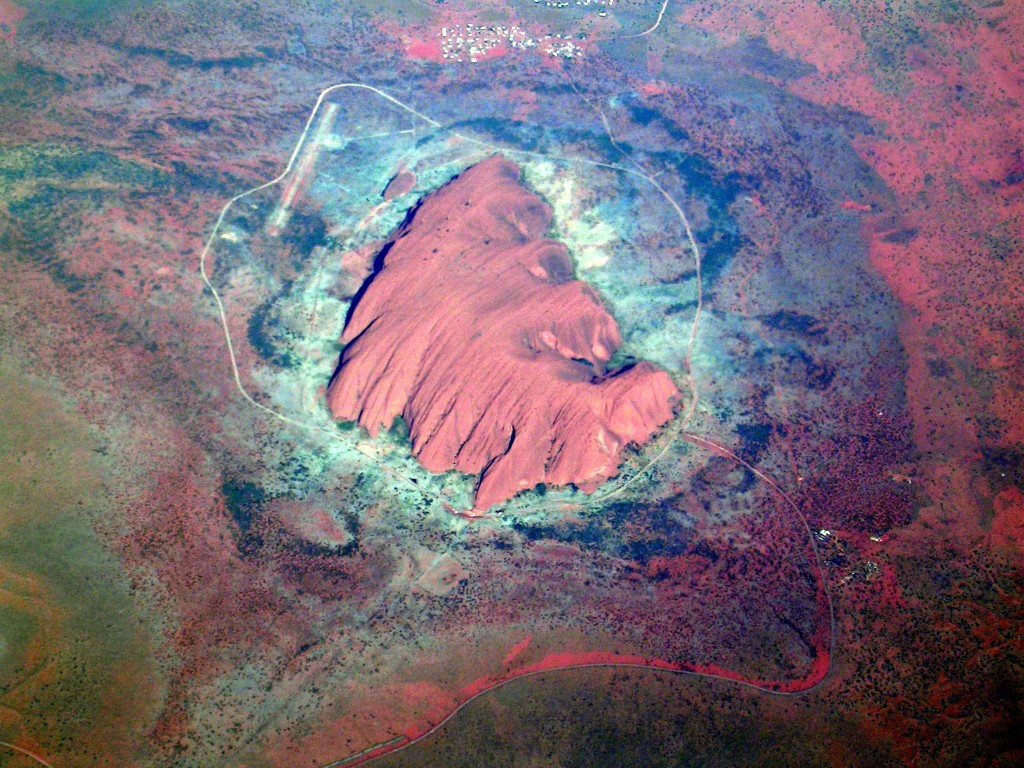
[
  {"x": 1008, "y": 522},
  {"x": 517, "y": 649},
  {"x": 948, "y": 147},
  {"x": 476, "y": 334},
  {"x": 402, "y": 184},
  {"x": 953, "y": 121},
  {"x": 950, "y": 153},
  {"x": 566, "y": 660},
  {"x": 10, "y": 15},
  {"x": 425, "y": 49}
]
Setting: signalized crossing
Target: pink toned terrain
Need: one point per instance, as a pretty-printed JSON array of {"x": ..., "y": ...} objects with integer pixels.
[
  {"x": 474, "y": 331},
  {"x": 402, "y": 184},
  {"x": 10, "y": 15}
]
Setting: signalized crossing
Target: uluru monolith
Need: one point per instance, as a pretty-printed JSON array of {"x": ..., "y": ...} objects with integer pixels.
[{"x": 473, "y": 329}]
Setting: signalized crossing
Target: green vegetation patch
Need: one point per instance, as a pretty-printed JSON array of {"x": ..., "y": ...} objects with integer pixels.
[{"x": 94, "y": 694}]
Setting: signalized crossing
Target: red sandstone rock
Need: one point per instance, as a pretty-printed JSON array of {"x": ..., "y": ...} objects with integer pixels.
[{"x": 475, "y": 332}]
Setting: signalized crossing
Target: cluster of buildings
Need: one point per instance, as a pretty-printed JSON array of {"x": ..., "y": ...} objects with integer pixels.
[
  {"x": 577, "y": 3},
  {"x": 473, "y": 42},
  {"x": 836, "y": 555},
  {"x": 564, "y": 48}
]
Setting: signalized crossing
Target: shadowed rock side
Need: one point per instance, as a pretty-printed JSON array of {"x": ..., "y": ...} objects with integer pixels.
[{"x": 475, "y": 332}]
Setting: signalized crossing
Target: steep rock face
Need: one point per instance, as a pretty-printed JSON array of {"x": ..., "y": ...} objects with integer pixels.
[{"x": 474, "y": 331}]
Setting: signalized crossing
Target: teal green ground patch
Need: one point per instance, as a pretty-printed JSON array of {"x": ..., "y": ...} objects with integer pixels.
[{"x": 283, "y": 259}]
